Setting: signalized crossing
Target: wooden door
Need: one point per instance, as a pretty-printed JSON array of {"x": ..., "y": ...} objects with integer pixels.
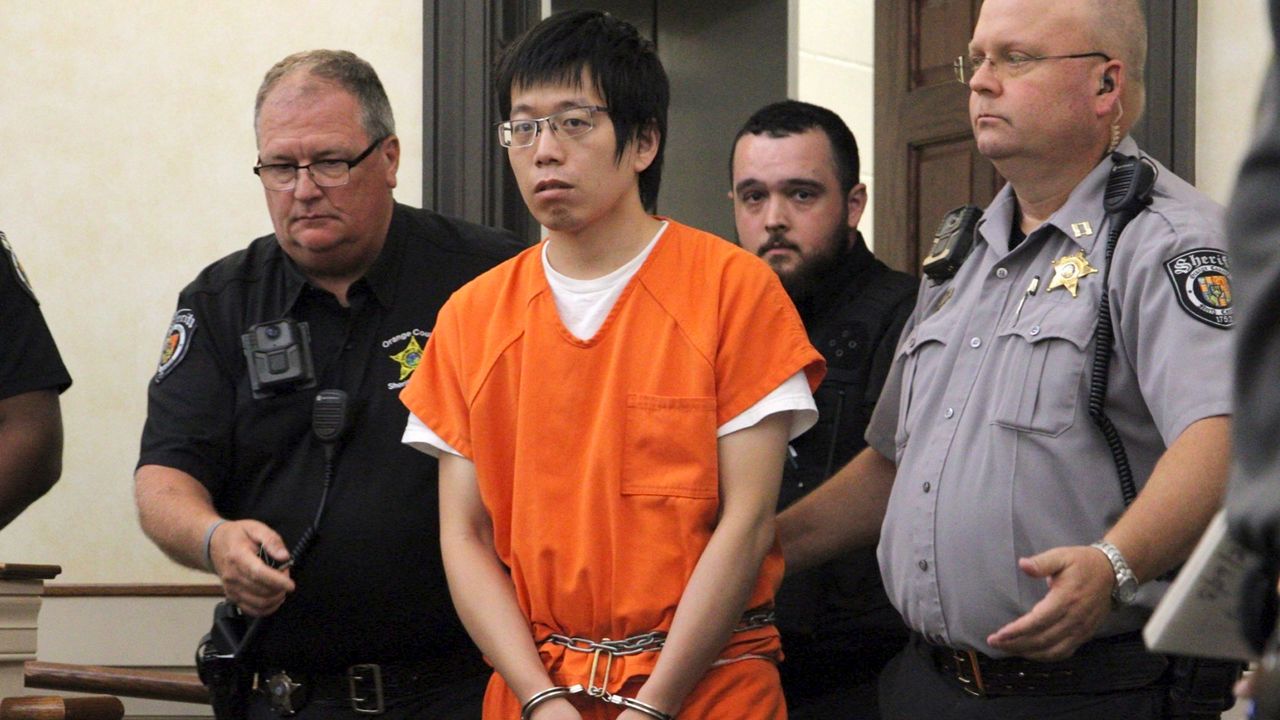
[{"x": 926, "y": 159}]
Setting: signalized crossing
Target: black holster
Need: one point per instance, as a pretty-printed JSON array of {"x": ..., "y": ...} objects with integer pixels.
[
  {"x": 221, "y": 667},
  {"x": 1199, "y": 688}
]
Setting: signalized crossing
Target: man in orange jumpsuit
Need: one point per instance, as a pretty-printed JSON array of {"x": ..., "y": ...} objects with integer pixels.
[{"x": 611, "y": 410}]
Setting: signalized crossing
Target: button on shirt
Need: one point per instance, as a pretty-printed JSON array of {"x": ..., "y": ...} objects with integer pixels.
[{"x": 1021, "y": 468}]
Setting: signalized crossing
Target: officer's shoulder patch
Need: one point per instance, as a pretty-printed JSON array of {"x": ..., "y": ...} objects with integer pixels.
[
  {"x": 23, "y": 281},
  {"x": 1202, "y": 283},
  {"x": 176, "y": 342}
]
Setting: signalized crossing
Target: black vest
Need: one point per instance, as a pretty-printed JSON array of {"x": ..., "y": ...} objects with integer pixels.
[{"x": 838, "y": 613}]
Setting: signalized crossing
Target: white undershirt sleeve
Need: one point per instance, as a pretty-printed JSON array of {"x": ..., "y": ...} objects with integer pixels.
[
  {"x": 420, "y": 437},
  {"x": 791, "y": 396}
]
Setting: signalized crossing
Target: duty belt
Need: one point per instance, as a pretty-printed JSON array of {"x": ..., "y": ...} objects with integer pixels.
[
  {"x": 366, "y": 686},
  {"x": 1121, "y": 662},
  {"x": 652, "y": 641}
]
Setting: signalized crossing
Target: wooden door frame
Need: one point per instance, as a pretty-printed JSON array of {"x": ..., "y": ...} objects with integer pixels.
[
  {"x": 464, "y": 169},
  {"x": 1167, "y": 129}
]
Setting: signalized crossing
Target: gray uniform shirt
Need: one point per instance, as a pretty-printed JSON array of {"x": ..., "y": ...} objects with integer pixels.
[{"x": 985, "y": 410}]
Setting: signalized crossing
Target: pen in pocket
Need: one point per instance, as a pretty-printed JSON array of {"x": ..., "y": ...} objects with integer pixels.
[{"x": 1031, "y": 290}]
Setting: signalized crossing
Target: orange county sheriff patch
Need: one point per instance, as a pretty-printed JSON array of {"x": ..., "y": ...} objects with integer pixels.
[
  {"x": 408, "y": 358},
  {"x": 176, "y": 342},
  {"x": 23, "y": 280},
  {"x": 1202, "y": 282}
]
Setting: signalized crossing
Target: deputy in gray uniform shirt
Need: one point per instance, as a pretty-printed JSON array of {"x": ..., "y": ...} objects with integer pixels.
[{"x": 984, "y": 467}]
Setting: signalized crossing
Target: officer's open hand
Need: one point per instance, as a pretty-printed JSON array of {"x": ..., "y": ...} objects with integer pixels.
[
  {"x": 256, "y": 587},
  {"x": 1080, "y": 581}
]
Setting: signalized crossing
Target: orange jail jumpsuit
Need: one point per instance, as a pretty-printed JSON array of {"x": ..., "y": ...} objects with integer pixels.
[{"x": 597, "y": 459}]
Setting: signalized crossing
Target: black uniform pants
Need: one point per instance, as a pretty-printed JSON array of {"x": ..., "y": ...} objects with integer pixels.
[
  {"x": 911, "y": 688},
  {"x": 846, "y": 702},
  {"x": 822, "y": 682}
]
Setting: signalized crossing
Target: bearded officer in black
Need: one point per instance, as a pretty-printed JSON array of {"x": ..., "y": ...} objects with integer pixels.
[{"x": 797, "y": 202}]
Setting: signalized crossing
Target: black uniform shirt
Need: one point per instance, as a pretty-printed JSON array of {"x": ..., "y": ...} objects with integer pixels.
[
  {"x": 29, "y": 359},
  {"x": 837, "y": 613},
  {"x": 372, "y": 588}
]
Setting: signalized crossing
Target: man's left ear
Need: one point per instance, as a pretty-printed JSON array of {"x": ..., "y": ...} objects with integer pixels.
[
  {"x": 646, "y": 146},
  {"x": 391, "y": 151},
  {"x": 856, "y": 202},
  {"x": 1110, "y": 87}
]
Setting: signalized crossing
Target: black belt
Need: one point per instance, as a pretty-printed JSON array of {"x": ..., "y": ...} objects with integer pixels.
[
  {"x": 366, "y": 686},
  {"x": 1120, "y": 662}
]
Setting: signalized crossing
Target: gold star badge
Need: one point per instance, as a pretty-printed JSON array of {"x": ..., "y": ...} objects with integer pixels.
[
  {"x": 409, "y": 358},
  {"x": 1068, "y": 270}
]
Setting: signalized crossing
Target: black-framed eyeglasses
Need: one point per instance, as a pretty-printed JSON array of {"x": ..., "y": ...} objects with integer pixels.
[
  {"x": 325, "y": 173},
  {"x": 567, "y": 123},
  {"x": 1011, "y": 65}
]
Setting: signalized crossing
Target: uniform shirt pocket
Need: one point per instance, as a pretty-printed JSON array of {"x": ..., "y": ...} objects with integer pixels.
[
  {"x": 922, "y": 358},
  {"x": 1041, "y": 363},
  {"x": 670, "y": 447}
]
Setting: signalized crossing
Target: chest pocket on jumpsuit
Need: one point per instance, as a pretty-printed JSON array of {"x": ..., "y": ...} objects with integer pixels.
[
  {"x": 670, "y": 447},
  {"x": 1042, "y": 360}
]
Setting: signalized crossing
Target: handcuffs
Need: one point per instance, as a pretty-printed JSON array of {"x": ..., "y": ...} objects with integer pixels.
[{"x": 551, "y": 693}]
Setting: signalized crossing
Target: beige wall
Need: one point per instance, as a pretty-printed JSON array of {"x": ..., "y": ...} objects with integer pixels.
[
  {"x": 126, "y": 132},
  {"x": 1235, "y": 46},
  {"x": 835, "y": 60}
]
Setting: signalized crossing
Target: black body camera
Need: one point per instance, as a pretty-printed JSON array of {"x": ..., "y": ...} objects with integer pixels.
[
  {"x": 952, "y": 243},
  {"x": 278, "y": 354}
]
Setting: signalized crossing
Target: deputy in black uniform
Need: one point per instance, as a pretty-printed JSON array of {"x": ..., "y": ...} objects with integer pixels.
[
  {"x": 229, "y": 466},
  {"x": 31, "y": 378},
  {"x": 797, "y": 202}
]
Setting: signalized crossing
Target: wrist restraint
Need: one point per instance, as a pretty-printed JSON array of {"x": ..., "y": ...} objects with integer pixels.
[{"x": 551, "y": 693}]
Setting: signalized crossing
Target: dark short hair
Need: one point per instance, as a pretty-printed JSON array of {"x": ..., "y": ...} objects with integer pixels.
[
  {"x": 791, "y": 117},
  {"x": 350, "y": 72},
  {"x": 624, "y": 67}
]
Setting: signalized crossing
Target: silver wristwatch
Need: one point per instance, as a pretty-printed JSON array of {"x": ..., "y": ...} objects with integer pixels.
[{"x": 1126, "y": 588}]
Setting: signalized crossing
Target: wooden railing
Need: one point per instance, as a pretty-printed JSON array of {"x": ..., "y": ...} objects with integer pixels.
[
  {"x": 21, "y": 589},
  {"x": 59, "y": 708},
  {"x": 151, "y": 684}
]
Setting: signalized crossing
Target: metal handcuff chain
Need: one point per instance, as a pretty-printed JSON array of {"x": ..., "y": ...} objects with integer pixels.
[
  {"x": 634, "y": 645},
  {"x": 559, "y": 691}
]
